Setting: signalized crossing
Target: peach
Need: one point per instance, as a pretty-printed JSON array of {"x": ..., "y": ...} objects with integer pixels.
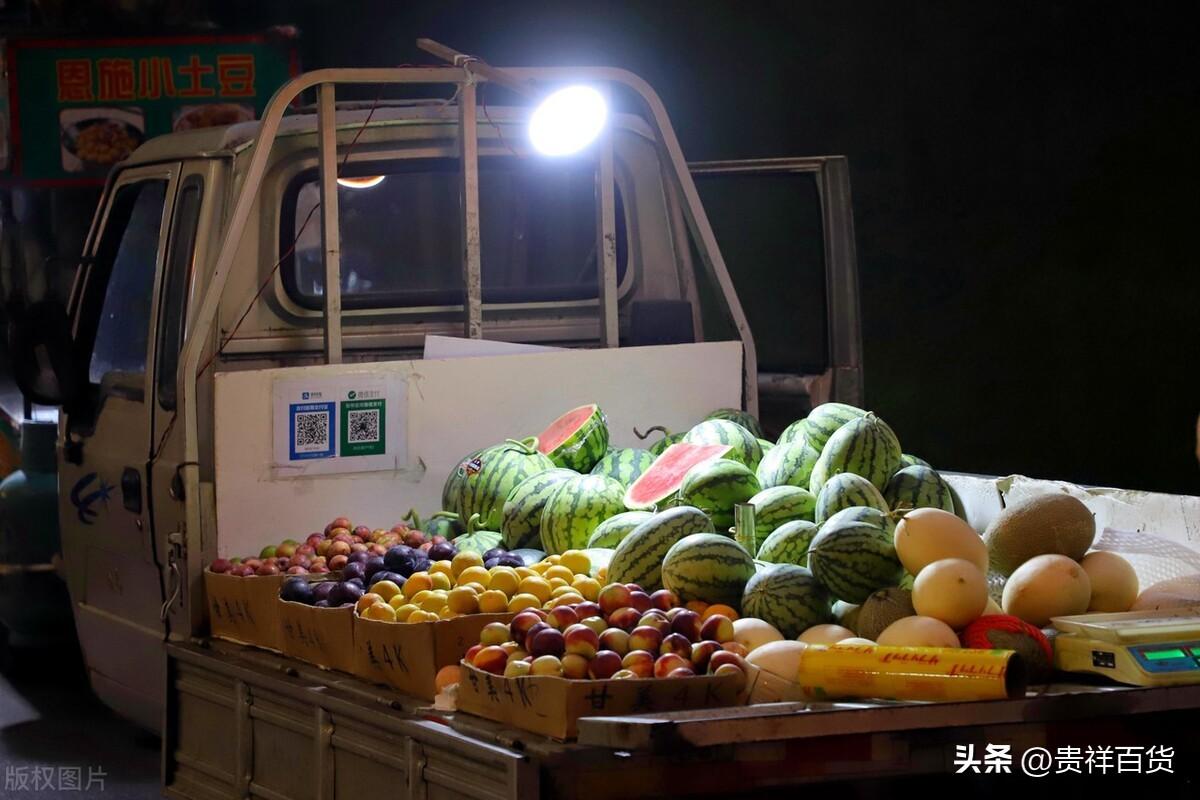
[
  {"x": 287, "y": 550},
  {"x": 546, "y": 665},
  {"x": 491, "y": 659},
  {"x": 521, "y": 624},
  {"x": 366, "y": 600},
  {"x": 267, "y": 568},
  {"x": 362, "y": 531},
  {"x": 516, "y": 668},
  {"x": 645, "y": 638},
  {"x": 314, "y": 539},
  {"x": 733, "y": 669},
  {"x": 624, "y": 618},
  {"x": 736, "y": 647},
  {"x": 604, "y": 665},
  {"x": 701, "y": 653},
  {"x": 717, "y": 628},
  {"x": 687, "y": 623},
  {"x": 493, "y": 633},
  {"x": 669, "y": 662},
  {"x": 338, "y": 522},
  {"x": 655, "y": 621},
  {"x": 595, "y": 623},
  {"x": 639, "y": 662},
  {"x": 588, "y": 609},
  {"x": 616, "y": 640},
  {"x": 338, "y": 562},
  {"x": 562, "y": 617},
  {"x": 469, "y": 657},
  {"x": 633, "y": 587},
  {"x": 581, "y": 640},
  {"x": 341, "y": 535},
  {"x": 664, "y": 599},
  {"x": 725, "y": 657},
  {"x": 358, "y": 547},
  {"x": 547, "y": 642},
  {"x": 613, "y": 597},
  {"x": 677, "y": 643},
  {"x": 640, "y": 600},
  {"x": 323, "y": 547},
  {"x": 574, "y": 666},
  {"x": 297, "y": 570},
  {"x": 681, "y": 672},
  {"x": 338, "y": 548},
  {"x": 625, "y": 674},
  {"x": 675, "y": 612},
  {"x": 514, "y": 650}
]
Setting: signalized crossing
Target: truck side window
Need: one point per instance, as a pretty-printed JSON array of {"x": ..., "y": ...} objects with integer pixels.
[
  {"x": 127, "y": 258},
  {"x": 180, "y": 259}
]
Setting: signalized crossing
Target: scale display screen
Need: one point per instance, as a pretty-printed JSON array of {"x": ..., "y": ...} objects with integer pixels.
[{"x": 1158, "y": 655}]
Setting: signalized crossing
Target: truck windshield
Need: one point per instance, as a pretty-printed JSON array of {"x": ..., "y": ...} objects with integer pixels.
[{"x": 401, "y": 243}]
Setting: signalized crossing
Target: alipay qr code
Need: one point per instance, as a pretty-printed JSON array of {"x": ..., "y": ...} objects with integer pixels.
[{"x": 311, "y": 430}]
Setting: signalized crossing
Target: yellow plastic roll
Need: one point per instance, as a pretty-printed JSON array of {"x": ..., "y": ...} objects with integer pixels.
[{"x": 910, "y": 673}]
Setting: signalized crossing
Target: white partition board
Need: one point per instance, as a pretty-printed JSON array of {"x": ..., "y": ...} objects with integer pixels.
[{"x": 454, "y": 406}]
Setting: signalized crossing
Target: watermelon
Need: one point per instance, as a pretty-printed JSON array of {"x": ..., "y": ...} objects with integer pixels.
[
  {"x": 708, "y": 567},
  {"x": 475, "y": 540},
  {"x": 918, "y": 487},
  {"x": 870, "y": 514},
  {"x": 765, "y": 445},
  {"x": 853, "y": 554},
  {"x": 864, "y": 446},
  {"x": 787, "y": 464},
  {"x": 624, "y": 465},
  {"x": 483, "y": 480},
  {"x": 610, "y": 532},
  {"x": 577, "y": 439},
  {"x": 788, "y": 597},
  {"x": 662, "y": 444},
  {"x": 743, "y": 443},
  {"x": 639, "y": 557},
  {"x": 788, "y": 544},
  {"x": 777, "y": 505},
  {"x": 446, "y": 524},
  {"x": 575, "y": 508},
  {"x": 847, "y": 490},
  {"x": 743, "y": 418},
  {"x": 530, "y": 555},
  {"x": 824, "y": 420},
  {"x": 716, "y": 486},
  {"x": 521, "y": 517},
  {"x": 792, "y": 432},
  {"x": 907, "y": 460},
  {"x": 762, "y": 566},
  {"x": 664, "y": 477}
]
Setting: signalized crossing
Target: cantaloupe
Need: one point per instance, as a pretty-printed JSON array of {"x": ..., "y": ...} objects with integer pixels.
[
  {"x": 953, "y": 590},
  {"x": 781, "y": 658},
  {"x": 856, "y": 640},
  {"x": 1114, "y": 581},
  {"x": 918, "y": 632},
  {"x": 1171, "y": 593},
  {"x": 931, "y": 534},
  {"x": 1047, "y": 524},
  {"x": 1047, "y": 586},
  {"x": 754, "y": 633},
  {"x": 883, "y": 608},
  {"x": 825, "y": 634}
]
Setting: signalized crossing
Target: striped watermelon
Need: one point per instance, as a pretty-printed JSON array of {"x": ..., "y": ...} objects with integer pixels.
[
  {"x": 864, "y": 446},
  {"x": 521, "y": 518},
  {"x": 662, "y": 481},
  {"x": 624, "y": 465},
  {"x": 788, "y": 597},
  {"x": 793, "y": 432},
  {"x": 788, "y": 544},
  {"x": 765, "y": 445},
  {"x": 575, "y": 508},
  {"x": 610, "y": 532},
  {"x": 874, "y": 516},
  {"x": 907, "y": 460},
  {"x": 853, "y": 554},
  {"x": 918, "y": 487},
  {"x": 824, "y": 421},
  {"x": 483, "y": 480},
  {"x": 777, "y": 505},
  {"x": 743, "y": 444},
  {"x": 708, "y": 567},
  {"x": 639, "y": 557},
  {"x": 846, "y": 490},
  {"x": 787, "y": 464},
  {"x": 743, "y": 418},
  {"x": 715, "y": 487},
  {"x": 577, "y": 439},
  {"x": 475, "y": 540}
]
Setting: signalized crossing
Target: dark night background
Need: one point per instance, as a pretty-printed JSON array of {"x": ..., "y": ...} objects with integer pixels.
[{"x": 1024, "y": 179}]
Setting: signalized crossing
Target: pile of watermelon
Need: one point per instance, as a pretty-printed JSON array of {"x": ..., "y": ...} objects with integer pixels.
[{"x": 826, "y": 496}]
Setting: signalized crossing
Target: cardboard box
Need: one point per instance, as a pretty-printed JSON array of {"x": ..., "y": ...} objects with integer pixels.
[
  {"x": 321, "y": 636},
  {"x": 407, "y": 657},
  {"x": 244, "y": 610},
  {"x": 552, "y": 706}
]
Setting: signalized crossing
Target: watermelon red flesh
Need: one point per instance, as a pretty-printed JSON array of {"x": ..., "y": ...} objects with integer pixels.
[
  {"x": 665, "y": 475},
  {"x": 563, "y": 428}
]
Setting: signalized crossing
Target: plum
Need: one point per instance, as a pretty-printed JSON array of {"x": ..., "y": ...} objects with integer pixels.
[
  {"x": 442, "y": 551},
  {"x": 297, "y": 590},
  {"x": 495, "y": 552},
  {"x": 358, "y": 557},
  {"x": 353, "y": 570},
  {"x": 322, "y": 589},
  {"x": 386, "y": 575},
  {"x": 372, "y": 565}
]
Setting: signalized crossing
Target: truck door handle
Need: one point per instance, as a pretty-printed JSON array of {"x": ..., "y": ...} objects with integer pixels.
[{"x": 131, "y": 490}]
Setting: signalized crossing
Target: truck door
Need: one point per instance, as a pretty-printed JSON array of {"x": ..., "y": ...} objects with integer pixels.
[
  {"x": 786, "y": 231},
  {"x": 108, "y": 546}
]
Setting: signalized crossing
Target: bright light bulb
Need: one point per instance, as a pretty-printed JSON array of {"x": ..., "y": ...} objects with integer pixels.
[
  {"x": 567, "y": 121},
  {"x": 368, "y": 182}
]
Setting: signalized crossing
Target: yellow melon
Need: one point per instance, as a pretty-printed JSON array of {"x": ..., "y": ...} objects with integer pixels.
[
  {"x": 1114, "y": 581},
  {"x": 918, "y": 632},
  {"x": 781, "y": 658},
  {"x": 953, "y": 590},
  {"x": 754, "y": 633},
  {"x": 930, "y": 534},
  {"x": 825, "y": 634},
  {"x": 1047, "y": 586}
]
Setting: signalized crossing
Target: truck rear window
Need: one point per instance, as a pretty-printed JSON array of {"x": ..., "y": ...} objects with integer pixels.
[{"x": 401, "y": 243}]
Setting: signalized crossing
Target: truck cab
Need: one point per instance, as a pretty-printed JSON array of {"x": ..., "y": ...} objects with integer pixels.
[{"x": 211, "y": 254}]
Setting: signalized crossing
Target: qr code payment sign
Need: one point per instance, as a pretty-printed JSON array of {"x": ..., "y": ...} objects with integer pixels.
[
  {"x": 311, "y": 432},
  {"x": 364, "y": 428}
]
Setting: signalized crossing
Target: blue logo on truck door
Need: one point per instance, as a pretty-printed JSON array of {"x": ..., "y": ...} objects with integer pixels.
[{"x": 83, "y": 502}]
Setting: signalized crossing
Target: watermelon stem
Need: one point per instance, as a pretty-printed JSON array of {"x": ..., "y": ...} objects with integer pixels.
[
  {"x": 473, "y": 523},
  {"x": 651, "y": 430},
  {"x": 412, "y": 517},
  {"x": 528, "y": 444},
  {"x": 444, "y": 515}
]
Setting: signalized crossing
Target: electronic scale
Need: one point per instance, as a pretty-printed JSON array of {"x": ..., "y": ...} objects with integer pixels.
[{"x": 1142, "y": 648}]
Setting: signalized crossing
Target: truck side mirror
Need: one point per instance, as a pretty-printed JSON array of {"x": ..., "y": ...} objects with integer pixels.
[{"x": 42, "y": 352}]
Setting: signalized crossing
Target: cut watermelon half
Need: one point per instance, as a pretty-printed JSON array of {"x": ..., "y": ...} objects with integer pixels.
[
  {"x": 577, "y": 439},
  {"x": 665, "y": 475}
]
